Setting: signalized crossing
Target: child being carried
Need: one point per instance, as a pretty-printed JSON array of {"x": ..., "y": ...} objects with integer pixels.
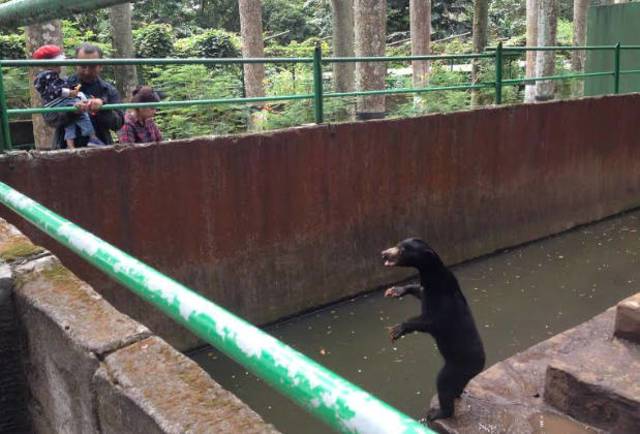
[{"x": 55, "y": 92}]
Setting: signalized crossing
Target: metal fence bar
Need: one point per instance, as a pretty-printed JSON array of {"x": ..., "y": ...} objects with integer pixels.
[
  {"x": 161, "y": 61},
  {"x": 401, "y": 90},
  {"x": 318, "y": 94},
  {"x": 408, "y": 58},
  {"x": 630, "y": 71},
  {"x": 557, "y": 48},
  {"x": 556, "y": 77},
  {"x": 317, "y": 85},
  {"x": 5, "y": 140},
  {"x": 498, "y": 60},
  {"x": 342, "y": 405},
  {"x": 161, "y": 104},
  {"x": 616, "y": 69}
]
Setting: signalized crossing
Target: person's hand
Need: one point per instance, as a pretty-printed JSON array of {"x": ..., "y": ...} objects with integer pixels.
[
  {"x": 94, "y": 104},
  {"x": 82, "y": 106},
  {"x": 73, "y": 93}
]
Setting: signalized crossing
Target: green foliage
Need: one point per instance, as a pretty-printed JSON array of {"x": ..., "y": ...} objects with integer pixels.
[
  {"x": 565, "y": 32},
  {"x": 16, "y": 86},
  {"x": 153, "y": 41},
  {"x": 287, "y": 15},
  {"x": 291, "y": 113},
  {"x": 73, "y": 35},
  {"x": 216, "y": 44},
  {"x": 12, "y": 47},
  {"x": 297, "y": 49},
  {"x": 508, "y": 18},
  {"x": 172, "y": 12},
  {"x": 319, "y": 17},
  {"x": 219, "y": 14},
  {"x": 433, "y": 102},
  {"x": 95, "y": 23},
  {"x": 187, "y": 82},
  {"x": 397, "y": 16},
  {"x": 448, "y": 17},
  {"x": 453, "y": 46}
]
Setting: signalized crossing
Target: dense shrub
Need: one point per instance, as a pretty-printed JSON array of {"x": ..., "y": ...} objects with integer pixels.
[
  {"x": 153, "y": 41},
  {"x": 12, "y": 47}
]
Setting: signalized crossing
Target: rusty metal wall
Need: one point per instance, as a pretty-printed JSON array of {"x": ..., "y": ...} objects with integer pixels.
[{"x": 273, "y": 224}]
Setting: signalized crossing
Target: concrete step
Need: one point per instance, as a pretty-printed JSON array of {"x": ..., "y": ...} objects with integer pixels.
[
  {"x": 507, "y": 398},
  {"x": 599, "y": 385},
  {"x": 628, "y": 319}
]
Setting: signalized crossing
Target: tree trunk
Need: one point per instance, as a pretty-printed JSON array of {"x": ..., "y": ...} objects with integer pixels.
[
  {"x": 343, "y": 44},
  {"x": 252, "y": 46},
  {"x": 420, "y": 18},
  {"x": 370, "y": 24},
  {"x": 545, "y": 62},
  {"x": 37, "y": 35},
  {"x": 122, "y": 39},
  {"x": 480, "y": 20},
  {"x": 579, "y": 38},
  {"x": 532, "y": 41}
]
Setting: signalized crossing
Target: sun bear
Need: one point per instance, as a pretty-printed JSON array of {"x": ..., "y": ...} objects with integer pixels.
[{"x": 445, "y": 315}]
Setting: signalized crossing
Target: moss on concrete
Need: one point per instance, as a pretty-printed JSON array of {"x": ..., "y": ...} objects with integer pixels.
[
  {"x": 18, "y": 248},
  {"x": 58, "y": 273}
]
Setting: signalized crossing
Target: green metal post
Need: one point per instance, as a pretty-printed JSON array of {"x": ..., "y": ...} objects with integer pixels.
[
  {"x": 5, "y": 141},
  {"x": 317, "y": 84},
  {"x": 616, "y": 69},
  {"x": 499, "y": 74}
]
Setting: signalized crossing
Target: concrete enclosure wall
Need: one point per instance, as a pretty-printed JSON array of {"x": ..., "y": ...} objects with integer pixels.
[
  {"x": 271, "y": 224},
  {"x": 90, "y": 369}
]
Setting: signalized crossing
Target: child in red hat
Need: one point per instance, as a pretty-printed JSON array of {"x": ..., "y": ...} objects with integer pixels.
[{"x": 55, "y": 92}]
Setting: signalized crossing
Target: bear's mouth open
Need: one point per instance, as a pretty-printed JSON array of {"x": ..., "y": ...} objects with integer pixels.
[{"x": 391, "y": 256}]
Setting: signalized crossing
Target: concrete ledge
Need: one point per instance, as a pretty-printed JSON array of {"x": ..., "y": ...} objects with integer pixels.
[
  {"x": 599, "y": 385},
  {"x": 628, "y": 319},
  {"x": 91, "y": 369},
  {"x": 150, "y": 387},
  {"x": 68, "y": 327},
  {"x": 508, "y": 397}
]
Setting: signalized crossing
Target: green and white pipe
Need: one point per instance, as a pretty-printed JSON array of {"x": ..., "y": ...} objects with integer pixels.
[
  {"x": 342, "y": 405},
  {"x": 17, "y": 13}
]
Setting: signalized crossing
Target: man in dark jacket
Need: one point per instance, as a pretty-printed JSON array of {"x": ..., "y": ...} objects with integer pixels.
[{"x": 98, "y": 92}]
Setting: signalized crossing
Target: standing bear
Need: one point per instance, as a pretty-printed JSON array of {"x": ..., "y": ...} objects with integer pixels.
[{"x": 445, "y": 316}]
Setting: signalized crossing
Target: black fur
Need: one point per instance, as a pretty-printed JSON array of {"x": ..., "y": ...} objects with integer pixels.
[{"x": 445, "y": 316}]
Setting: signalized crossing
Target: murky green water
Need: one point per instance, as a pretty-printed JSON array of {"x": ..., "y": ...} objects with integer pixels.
[{"x": 518, "y": 297}]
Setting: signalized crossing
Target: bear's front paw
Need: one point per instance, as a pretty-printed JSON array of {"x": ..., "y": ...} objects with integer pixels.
[
  {"x": 396, "y": 332},
  {"x": 394, "y": 292}
]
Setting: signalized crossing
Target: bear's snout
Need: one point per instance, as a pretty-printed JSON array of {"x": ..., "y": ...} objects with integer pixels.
[{"x": 390, "y": 256}]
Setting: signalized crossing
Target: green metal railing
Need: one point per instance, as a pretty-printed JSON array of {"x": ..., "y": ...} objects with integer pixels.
[
  {"x": 342, "y": 405},
  {"x": 498, "y": 54},
  {"x": 18, "y": 13}
]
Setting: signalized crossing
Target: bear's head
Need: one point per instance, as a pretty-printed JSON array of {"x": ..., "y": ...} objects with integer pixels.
[{"x": 412, "y": 252}]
